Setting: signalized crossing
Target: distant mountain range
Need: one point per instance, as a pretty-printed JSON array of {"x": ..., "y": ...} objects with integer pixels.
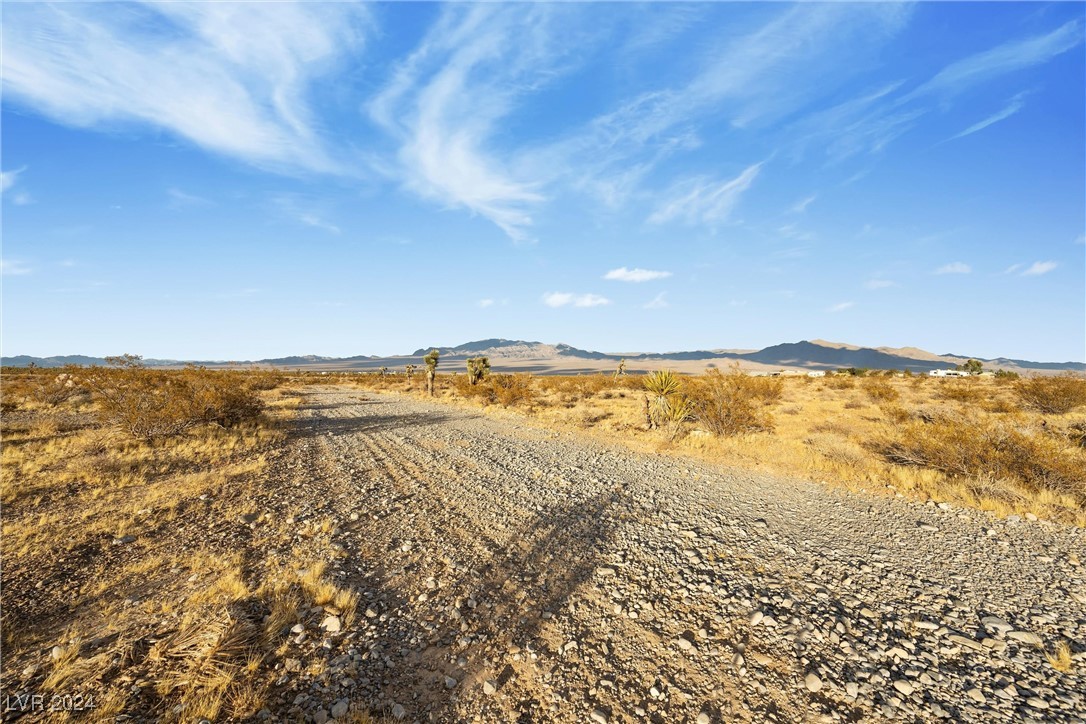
[{"x": 520, "y": 355}]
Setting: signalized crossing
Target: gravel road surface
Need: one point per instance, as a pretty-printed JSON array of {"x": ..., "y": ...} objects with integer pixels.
[{"x": 512, "y": 573}]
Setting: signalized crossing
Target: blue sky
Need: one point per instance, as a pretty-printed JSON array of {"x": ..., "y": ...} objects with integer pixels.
[{"x": 245, "y": 180}]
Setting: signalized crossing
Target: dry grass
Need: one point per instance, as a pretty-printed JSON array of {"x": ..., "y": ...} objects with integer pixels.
[
  {"x": 969, "y": 441},
  {"x": 1060, "y": 657},
  {"x": 107, "y": 556}
]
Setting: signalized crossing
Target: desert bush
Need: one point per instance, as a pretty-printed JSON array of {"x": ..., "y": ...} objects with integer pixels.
[
  {"x": 734, "y": 403},
  {"x": 974, "y": 446},
  {"x": 263, "y": 380},
  {"x": 509, "y": 390},
  {"x": 662, "y": 386},
  {"x": 879, "y": 390},
  {"x": 841, "y": 382},
  {"x": 1052, "y": 395},
  {"x": 152, "y": 404},
  {"x": 1006, "y": 375},
  {"x": 964, "y": 391}
]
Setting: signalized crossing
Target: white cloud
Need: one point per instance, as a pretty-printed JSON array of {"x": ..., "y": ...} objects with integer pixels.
[
  {"x": 8, "y": 178},
  {"x": 954, "y": 267},
  {"x": 11, "y": 267},
  {"x": 446, "y": 102},
  {"x": 622, "y": 274},
  {"x": 701, "y": 200},
  {"x": 1081, "y": 239},
  {"x": 1013, "y": 106},
  {"x": 22, "y": 198},
  {"x": 230, "y": 79},
  {"x": 841, "y": 307},
  {"x": 874, "y": 284},
  {"x": 1003, "y": 59},
  {"x": 484, "y": 303},
  {"x": 801, "y": 206},
  {"x": 299, "y": 209},
  {"x": 1012, "y": 268},
  {"x": 179, "y": 199},
  {"x": 658, "y": 302},
  {"x": 564, "y": 299},
  {"x": 1038, "y": 268}
]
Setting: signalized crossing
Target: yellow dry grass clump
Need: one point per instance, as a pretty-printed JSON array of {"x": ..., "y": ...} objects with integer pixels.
[{"x": 108, "y": 562}]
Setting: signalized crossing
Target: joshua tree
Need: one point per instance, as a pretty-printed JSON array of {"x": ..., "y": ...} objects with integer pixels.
[
  {"x": 431, "y": 369},
  {"x": 621, "y": 371},
  {"x": 410, "y": 370},
  {"x": 662, "y": 385},
  {"x": 384, "y": 371},
  {"x": 478, "y": 367}
]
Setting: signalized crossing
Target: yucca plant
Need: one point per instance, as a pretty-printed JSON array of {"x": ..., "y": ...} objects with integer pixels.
[
  {"x": 431, "y": 369},
  {"x": 662, "y": 385},
  {"x": 478, "y": 367}
]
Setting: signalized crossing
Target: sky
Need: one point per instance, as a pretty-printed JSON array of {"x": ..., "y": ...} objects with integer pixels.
[{"x": 237, "y": 181}]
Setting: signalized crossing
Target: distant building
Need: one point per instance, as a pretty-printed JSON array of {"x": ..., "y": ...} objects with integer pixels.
[
  {"x": 948, "y": 373},
  {"x": 817, "y": 373}
]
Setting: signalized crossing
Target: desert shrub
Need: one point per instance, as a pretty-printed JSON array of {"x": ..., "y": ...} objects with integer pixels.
[
  {"x": 1006, "y": 375},
  {"x": 964, "y": 391},
  {"x": 974, "y": 446},
  {"x": 841, "y": 382},
  {"x": 879, "y": 390},
  {"x": 151, "y": 404},
  {"x": 509, "y": 390},
  {"x": 1052, "y": 395},
  {"x": 263, "y": 380},
  {"x": 734, "y": 403}
]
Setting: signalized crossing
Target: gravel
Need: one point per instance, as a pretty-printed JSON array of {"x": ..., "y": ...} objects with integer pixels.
[{"x": 509, "y": 572}]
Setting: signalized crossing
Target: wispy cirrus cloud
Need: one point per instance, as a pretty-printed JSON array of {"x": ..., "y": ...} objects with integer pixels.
[
  {"x": 567, "y": 299},
  {"x": 13, "y": 267},
  {"x": 445, "y": 103},
  {"x": 1038, "y": 268},
  {"x": 179, "y": 199},
  {"x": 303, "y": 212},
  {"x": 8, "y": 178},
  {"x": 840, "y": 307},
  {"x": 998, "y": 61},
  {"x": 1013, "y": 106},
  {"x": 228, "y": 80},
  {"x": 701, "y": 200},
  {"x": 658, "y": 302},
  {"x": 954, "y": 267},
  {"x": 622, "y": 274},
  {"x": 876, "y": 284},
  {"x": 801, "y": 206}
]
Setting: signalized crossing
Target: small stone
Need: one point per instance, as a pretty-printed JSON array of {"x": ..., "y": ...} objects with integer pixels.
[
  {"x": 320, "y": 716},
  {"x": 56, "y": 652},
  {"x": 340, "y": 708},
  {"x": 297, "y": 628},
  {"x": 812, "y": 682},
  {"x": 995, "y": 623},
  {"x": 605, "y": 571},
  {"x": 703, "y": 718},
  {"x": 490, "y": 687},
  {"x": 1037, "y": 703},
  {"x": 450, "y": 682},
  {"x": 398, "y": 711},
  {"x": 976, "y": 695},
  {"x": 756, "y": 618},
  {"x": 684, "y": 643},
  {"x": 852, "y": 689},
  {"x": 1027, "y": 637},
  {"x": 904, "y": 687},
  {"x": 331, "y": 624},
  {"x": 599, "y": 716}
]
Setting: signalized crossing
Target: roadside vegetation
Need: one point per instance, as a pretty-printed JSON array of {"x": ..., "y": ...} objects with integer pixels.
[
  {"x": 1005, "y": 444},
  {"x": 137, "y": 574}
]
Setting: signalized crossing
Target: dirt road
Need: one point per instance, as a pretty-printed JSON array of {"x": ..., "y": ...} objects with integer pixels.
[{"x": 513, "y": 573}]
